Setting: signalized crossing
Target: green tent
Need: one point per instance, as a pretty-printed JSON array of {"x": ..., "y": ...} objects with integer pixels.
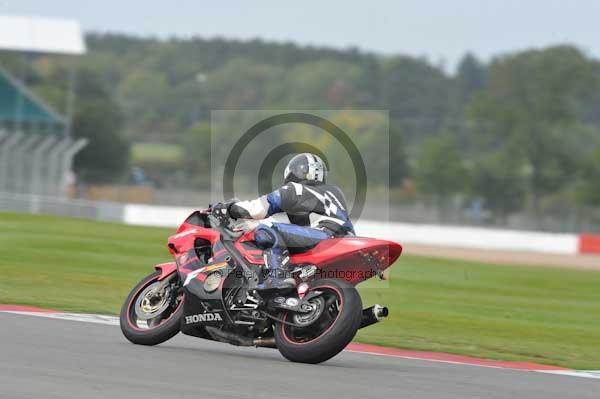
[{"x": 20, "y": 109}]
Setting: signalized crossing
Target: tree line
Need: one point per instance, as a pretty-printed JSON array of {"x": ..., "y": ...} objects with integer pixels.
[{"x": 518, "y": 132}]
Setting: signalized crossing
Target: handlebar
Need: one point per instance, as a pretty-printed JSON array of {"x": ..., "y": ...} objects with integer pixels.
[{"x": 223, "y": 228}]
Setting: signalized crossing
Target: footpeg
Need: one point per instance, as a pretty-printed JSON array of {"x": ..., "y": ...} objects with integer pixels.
[{"x": 250, "y": 302}]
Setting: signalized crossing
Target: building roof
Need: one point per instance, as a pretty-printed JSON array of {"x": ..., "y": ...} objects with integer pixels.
[
  {"x": 20, "y": 105},
  {"x": 45, "y": 35}
]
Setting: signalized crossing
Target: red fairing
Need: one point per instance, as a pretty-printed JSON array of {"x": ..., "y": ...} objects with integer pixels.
[
  {"x": 187, "y": 235},
  {"x": 165, "y": 269},
  {"x": 353, "y": 259},
  {"x": 252, "y": 254},
  {"x": 332, "y": 249}
]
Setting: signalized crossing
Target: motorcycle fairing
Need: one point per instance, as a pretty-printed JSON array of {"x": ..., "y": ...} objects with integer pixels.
[
  {"x": 194, "y": 326},
  {"x": 165, "y": 269},
  {"x": 201, "y": 307},
  {"x": 354, "y": 259}
]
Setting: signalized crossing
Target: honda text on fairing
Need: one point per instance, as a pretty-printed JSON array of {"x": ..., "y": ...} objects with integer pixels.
[{"x": 210, "y": 291}]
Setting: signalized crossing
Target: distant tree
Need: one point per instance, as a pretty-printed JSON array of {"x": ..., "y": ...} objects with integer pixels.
[
  {"x": 244, "y": 84},
  {"x": 141, "y": 93},
  {"x": 197, "y": 150},
  {"x": 499, "y": 181},
  {"x": 470, "y": 77},
  {"x": 418, "y": 95},
  {"x": 587, "y": 109},
  {"x": 529, "y": 115},
  {"x": 156, "y": 85},
  {"x": 98, "y": 119},
  {"x": 588, "y": 192},
  {"x": 399, "y": 166},
  {"x": 527, "y": 109},
  {"x": 440, "y": 169},
  {"x": 325, "y": 83},
  {"x": 374, "y": 135}
]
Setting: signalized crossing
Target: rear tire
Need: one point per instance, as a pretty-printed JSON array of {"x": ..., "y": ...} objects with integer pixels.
[
  {"x": 165, "y": 330},
  {"x": 336, "y": 336}
]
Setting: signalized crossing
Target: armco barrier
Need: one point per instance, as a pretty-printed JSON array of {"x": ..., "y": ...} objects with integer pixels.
[{"x": 447, "y": 236}]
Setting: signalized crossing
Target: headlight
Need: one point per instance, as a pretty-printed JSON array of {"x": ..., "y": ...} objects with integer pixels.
[{"x": 212, "y": 282}]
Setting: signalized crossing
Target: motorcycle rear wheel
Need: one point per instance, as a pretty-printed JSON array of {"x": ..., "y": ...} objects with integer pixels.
[
  {"x": 330, "y": 333},
  {"x": 164, "y": 326}
]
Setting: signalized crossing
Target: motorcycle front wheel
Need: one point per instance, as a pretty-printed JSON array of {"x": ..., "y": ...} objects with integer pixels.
[
  {"x": 151, "y": 315},
  {"x": 329, "y": 327}
]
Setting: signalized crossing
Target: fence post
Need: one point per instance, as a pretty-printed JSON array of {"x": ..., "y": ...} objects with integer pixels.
[
  {"x": 20, "y": 163},
  {"x": 36, "y": 167},
  {"x": 54, "y": 163},
  {"x": 67, "y": 162},
  {"x": 5, "y": 152}
]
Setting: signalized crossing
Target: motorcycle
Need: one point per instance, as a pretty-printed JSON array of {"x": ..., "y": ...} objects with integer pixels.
[{"x": 210, "y": 291}]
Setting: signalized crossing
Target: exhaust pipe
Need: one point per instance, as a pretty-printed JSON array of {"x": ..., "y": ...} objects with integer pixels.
[{"x": 373, "y": 315}]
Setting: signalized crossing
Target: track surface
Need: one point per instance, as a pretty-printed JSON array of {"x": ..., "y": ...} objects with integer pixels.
[{"x": 48, "y": 358}]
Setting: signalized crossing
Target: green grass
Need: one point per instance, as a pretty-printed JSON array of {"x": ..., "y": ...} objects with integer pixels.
[
  {"x": 493, "y": 311},
  {"x": 74, "y": 264},
  {"x": 501, "y": 312},
  {"x": 156, "y": 152}
]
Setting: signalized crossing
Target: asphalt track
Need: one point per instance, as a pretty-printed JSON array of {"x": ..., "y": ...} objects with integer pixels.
[{"x": 49, "y": 358}]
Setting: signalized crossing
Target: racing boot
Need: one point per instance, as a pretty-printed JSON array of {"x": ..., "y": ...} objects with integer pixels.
[{"x": 279, "y": 277}]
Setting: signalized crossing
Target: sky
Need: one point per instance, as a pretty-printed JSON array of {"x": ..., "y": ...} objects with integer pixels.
[{"x": 441, "y": 30}]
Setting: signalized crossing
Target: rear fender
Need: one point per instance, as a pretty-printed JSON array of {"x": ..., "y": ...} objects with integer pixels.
[{"x": 165, "y": 269}]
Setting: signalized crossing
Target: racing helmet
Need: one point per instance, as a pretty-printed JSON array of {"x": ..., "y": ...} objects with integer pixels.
[{"x": 305, "y": 168}]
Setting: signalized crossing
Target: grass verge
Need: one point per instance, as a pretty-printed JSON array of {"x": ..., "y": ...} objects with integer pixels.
[
  {"x": 499, "y": 312},
  {"x": 144, "y": 152}
]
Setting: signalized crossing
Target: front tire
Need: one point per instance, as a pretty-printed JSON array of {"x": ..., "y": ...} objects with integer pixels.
[
  {"x": 158, "y": 329},
  {"x": 330, "y": 333}
]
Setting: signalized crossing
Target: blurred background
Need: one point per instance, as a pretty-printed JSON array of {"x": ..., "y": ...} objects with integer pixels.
[
  {"x": 494, "y": 108},
  {"x": 488, "y": 111}
]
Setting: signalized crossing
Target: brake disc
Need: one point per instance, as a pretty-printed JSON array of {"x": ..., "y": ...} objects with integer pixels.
[
  {"x": 306, "y": 319},
  {"x": 151, "y": 303}
]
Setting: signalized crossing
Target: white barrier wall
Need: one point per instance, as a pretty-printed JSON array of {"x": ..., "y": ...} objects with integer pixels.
[
  {"x": 471, "y": 237},
  {"x": 404, "y": 233},
  {"x": 150, "y": 215}
]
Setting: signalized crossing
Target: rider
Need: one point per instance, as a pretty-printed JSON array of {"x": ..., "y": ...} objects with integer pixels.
[{"x": 316, "y": 210}]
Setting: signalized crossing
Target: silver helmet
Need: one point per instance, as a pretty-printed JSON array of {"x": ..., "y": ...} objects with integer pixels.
[{"x": 305, "y": 168}]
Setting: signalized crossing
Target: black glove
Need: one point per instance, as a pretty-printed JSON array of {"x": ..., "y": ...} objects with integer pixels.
[{"x": 220, "y": 211}]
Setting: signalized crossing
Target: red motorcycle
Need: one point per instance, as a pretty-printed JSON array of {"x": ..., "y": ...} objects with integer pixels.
[{"x": 210, "y": 292}]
